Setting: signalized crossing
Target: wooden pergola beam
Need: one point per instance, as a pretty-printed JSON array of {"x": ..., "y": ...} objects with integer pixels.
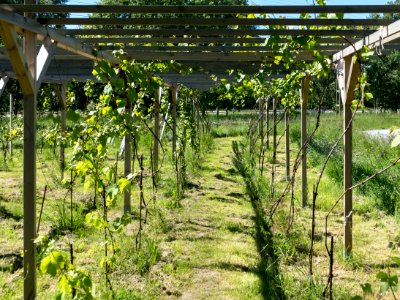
[
  {"x": 214, "y": 21},
  {"x": 202, "y": 9},
  {"x": 217, "y": 32},
  {"x": 384, "y": 35},
  {"x": 207, "y": 56},
  {"x": 71, "y": 45},
  {"x": 264, "y": 49},
  {"x": 201, "y": 40},
  {"x": 17, "y": 58}
]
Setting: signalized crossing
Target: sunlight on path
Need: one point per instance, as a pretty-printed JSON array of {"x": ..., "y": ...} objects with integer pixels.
[{"x": 217, "y": 254}]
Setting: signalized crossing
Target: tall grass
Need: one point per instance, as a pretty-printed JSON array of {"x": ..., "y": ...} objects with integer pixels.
[{"x": 369, "y": 156}]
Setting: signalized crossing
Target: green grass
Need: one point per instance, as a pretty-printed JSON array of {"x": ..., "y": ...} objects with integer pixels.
[{"x": 216, "y": 242}]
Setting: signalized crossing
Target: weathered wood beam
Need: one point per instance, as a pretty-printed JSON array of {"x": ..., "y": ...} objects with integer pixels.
[
  {"x": 348, "y": 74},
  {"x": 384, "y": 35},
  {"x": 203, "y": 9},
  {"x": 61, "y": 93},
  {"x": 218, "y": 57},
  {"x": 287, "y": 144},
  {"x": 261, "y": 48},
  {"x": 156, "y": 128},
  {"x": 304, "y": 91},
  {"x": 27, "y": 24},
  {"x": 214, "y": 21},
  {"x": 29, "y": 152},
  {"x": 174, "y": 90},
  {"x": 17, "y": 58},
  {"x": 217, "y": 32},
  {"x": 200, "y": 40},
  {"x": 128, "y": 160}
]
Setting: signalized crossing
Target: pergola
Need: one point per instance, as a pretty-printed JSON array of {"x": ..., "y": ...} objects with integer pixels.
[{"x": 209, "y": 39}]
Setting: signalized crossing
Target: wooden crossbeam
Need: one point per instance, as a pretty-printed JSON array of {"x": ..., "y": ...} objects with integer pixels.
[
  {"x": 199, "y": 40},
  {"x": 17, "y": 58},
  {"x": 210, "y": 48},
  {"x": 384, "y": 35},
  {"x": 218, "y": 32},
  {"x": 202, "y": 9},
  {"x": 214, "y": 21},
  {"x": 63, "y": 42}
]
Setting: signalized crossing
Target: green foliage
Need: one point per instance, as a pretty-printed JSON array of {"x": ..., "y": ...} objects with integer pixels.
[
  {"x": 383, "y": 74},
  {"x": 147, "y": 256},
  {"x": 71, "y": 280}
]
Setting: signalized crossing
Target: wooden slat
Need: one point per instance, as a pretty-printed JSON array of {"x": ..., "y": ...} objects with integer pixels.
[
  {"x": 68, "y": 44},
  {"x": 197, "y": 40},
  {"x": 17, "y": 58},
  {"x": 214, "y": 21},
  {"x": 262, "y": 49},
  {"x": 385, "y": 35},
  {"x": 203, "y": 9},
  {"x": 217, "y": 32}
]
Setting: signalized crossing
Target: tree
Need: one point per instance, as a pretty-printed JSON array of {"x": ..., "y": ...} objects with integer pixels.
[{"x": 383, "y": 73}]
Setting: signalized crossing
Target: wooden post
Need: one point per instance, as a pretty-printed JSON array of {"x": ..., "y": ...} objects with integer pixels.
[
  {"x": 30, "y": 168},
  {"x": 348, "y": 73},
  {"x": 174, "y": 103},
  {"x": 157, "y": 104},
  {"x": 127, "y": 160},
  {"x": 267, "y": 120},
  {"x": 197, "y": 106},
  {"x": 61, "y": 93},
  {"x": 287, "y": 144},
  {"x": 24, "y": 65},
  {"x": 261, "y": 119},
  {"x": 11, "y": 117},
  {"x": 274, "y": 129},
  {"x": 305, "y": 87}
]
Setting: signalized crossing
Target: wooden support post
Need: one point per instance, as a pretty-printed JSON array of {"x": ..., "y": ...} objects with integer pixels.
[
  {"x": 30, "y": 172},
  {"x": 127, "y": 160},
  {"x": 61, "y": 92},
  {"x": 24, "y": 65},
  {"x": 305, "y": 87},
  {"x": 261, "y": 119},
  {"x": 174, "y": 103},
  {"x": 348, "y": 73},
  {"x": 267, "y": 120},
  {"x": 287, "y": 144},
  {"x": 197, "y": 107},
  {"x": 11, "y": 118},
  {"x": 274, "y": 130},
  {"x": 156, "y": 130}
]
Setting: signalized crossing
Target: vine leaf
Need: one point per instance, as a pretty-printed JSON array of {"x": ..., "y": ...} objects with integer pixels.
[
  {"x": 396, "y": 141},
  {"x": 52, "y": 263}
]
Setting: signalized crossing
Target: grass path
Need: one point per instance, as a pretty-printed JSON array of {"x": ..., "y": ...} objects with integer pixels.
[{"x": 214, "y": 246}]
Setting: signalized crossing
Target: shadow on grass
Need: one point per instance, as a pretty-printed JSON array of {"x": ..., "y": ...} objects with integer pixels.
[
  {"x": 6, "y": 214},
  {"x": 268, "y": 265},
  {"x": 10, "y": 262}
]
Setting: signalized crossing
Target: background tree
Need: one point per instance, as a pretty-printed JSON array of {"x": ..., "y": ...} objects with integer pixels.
[{"x": 383, "y": 73}]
